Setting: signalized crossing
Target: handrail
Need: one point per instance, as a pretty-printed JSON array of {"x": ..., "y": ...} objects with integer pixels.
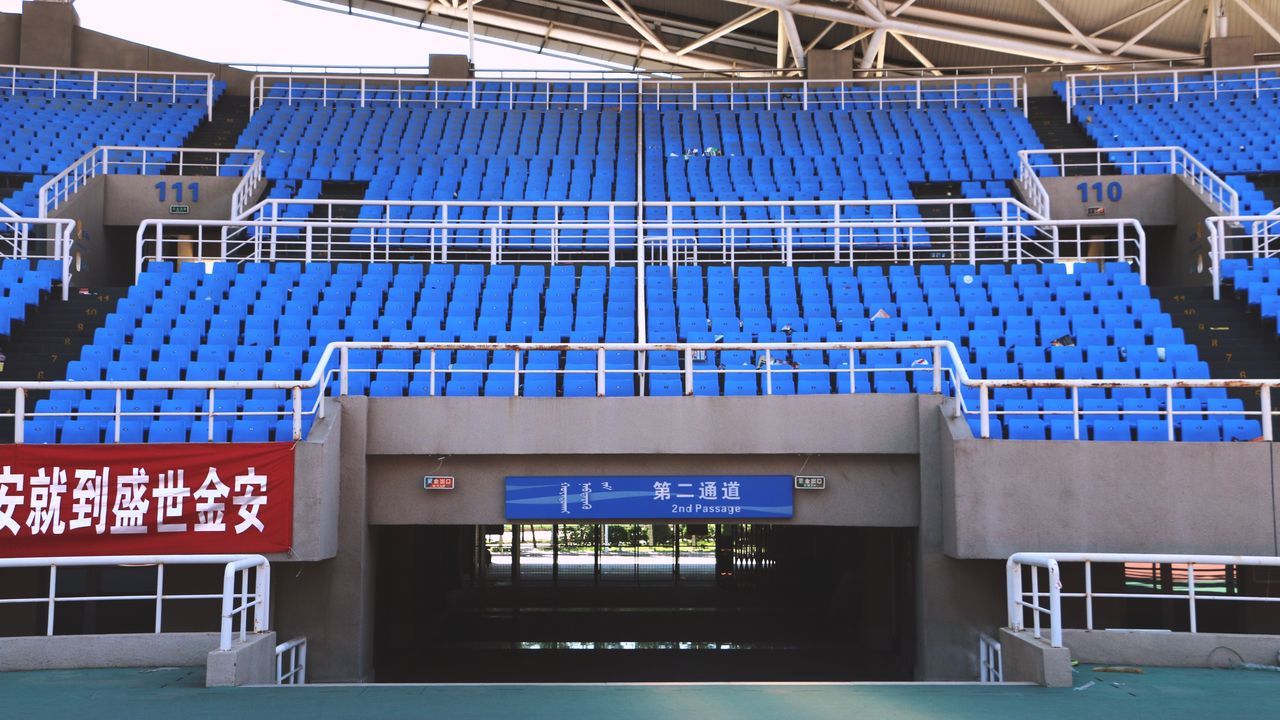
[
  {"x": 17, "y": 240},
  {"x": 684, "y": 73},
  {"x": 990, "y": 659},
  {"x": 657, "y": 241},
  {"x": 236, "y": 604},
  {"x": 1245, "y": 236},
  {"x": 402, "y": 90},
  {"x": 1018, "y": 604},
  {"x": 69, "y": 81},
  {"x": 1103, "y": 161},
  {"x": 171, "y": 161},
  {"x": 1079, "y": 86},
  {"x": 877, "y": 92},
  {"x": 291, "y": 662},
  {"x": 334, "y": 364}
]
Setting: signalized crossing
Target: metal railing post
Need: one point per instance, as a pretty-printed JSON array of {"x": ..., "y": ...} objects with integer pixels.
[
  {"x": 159, "y": 596},
  {"x": 688, "y": 371},
  {"x": 600, "y": 384},
  {"x": 1264, "y": 399},
  {"x": 1013, "y": 595},
  {"x": 1191, "y": 595},
  {"x": 984, "y": 410},
  {"x": 937, "y": 369},
  {"x": 53, "y": 598},
  {"x": 1055, "y": 605},
  {"x": 343, "y": 360},
  {"x": 19, "y": 415}
]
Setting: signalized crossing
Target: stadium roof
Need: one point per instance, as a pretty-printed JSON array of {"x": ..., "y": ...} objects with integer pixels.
[{"x": 716, "y": 35}]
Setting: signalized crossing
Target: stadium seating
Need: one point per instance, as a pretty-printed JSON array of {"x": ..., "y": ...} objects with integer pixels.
[
  {"x": 1258, "y": 281},
  {"x": 1232, "y": 134},
  {"x": 447, "y": 154},
  {"x": 828, "y": 154},
  {"x": 41, "y": 135},
  {"x": 256, "y": 321},
  {"x": 259, "y": 321},
  {"x": 1004, "y": 320},
  {"x": 22, "y": 282}
]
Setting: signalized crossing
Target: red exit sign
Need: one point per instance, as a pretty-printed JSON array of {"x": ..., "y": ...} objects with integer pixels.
[{"x": 437, "y": 482}]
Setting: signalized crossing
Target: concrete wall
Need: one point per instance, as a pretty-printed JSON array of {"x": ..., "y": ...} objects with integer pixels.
[
  {"x": 861, "y": 424},
  {"x": 829, "y": 64},
  {"x": 1146, "y": 198},
  {"x": 10, "y": 38},
  {"x": 88, "y": 207},
  {"x": 1234, "y": 51},
  {"x": 1027, "y": 659},
  {"x": 134, "y": 198},
  {"x": 1182, "y": 256},
  {"x": 106, "y": 651},
  {"x": 47, "y": 32},
  {"x": 331, "y": 602},
  {"x": 1170, "y": 649},
  {"x": 1062, "y": 496},
  {"x": 897, "y": 461},
  {"x": 94, "y": 49},
  {"x": 879, "y": 491},
  {"x": 251, "y": 661},
  {"x": 956, "y": 600},
  {"x": 127, "y": 200},
  {"x": 317, "y": 487}
]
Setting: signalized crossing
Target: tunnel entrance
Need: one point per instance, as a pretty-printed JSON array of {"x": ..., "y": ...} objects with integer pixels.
[{"x": 643, "y": 602}]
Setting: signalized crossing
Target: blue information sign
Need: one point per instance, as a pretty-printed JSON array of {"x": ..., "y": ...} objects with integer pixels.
[{"x": 648, "y": 497}]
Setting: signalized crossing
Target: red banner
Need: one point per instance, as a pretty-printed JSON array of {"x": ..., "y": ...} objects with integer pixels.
[{"x": 176, "y": 499}]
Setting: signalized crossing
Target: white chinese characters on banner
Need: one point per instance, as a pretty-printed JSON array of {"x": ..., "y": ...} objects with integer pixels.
[{"x": 134, "y": 503}]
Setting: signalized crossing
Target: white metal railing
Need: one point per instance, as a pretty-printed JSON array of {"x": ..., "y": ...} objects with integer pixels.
[
  {"x": 38, "y": 238},
  {"x": 1156, "y": 160},
  {"x": 406, "y": 91},
  {"x": 716, "y": 94},
  {"x": 1172, "y": 84},
  {"x": 291, "y": 662},
  {"x": 845, "y": 362},
  {"x": 1244, "y": 237},
  {"x": 667, "y": 242},
  {"x": 863, "y": 94},
  {"x": 335, "y": 368},
  {"x": 95, "y": 84},
  {"x": 245, "y": 593},
  {"x": 110, "y": 160},
  {"x": 990, "y": 659},
  {"x": 656, "y": 212},
  {"x": 596, "y": 231},
  {"x": 1045, "y": 605}
]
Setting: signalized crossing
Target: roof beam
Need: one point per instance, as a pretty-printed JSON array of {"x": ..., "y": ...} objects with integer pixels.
[
  {"x": 1070, "y": 26},
  {"x": 902, "y": 8},
  {"x": 1019, "y": 40},
  {"x": 793, "y": 37},
  {"x": 630, "y": 17},
  {"x": 601, "y": 41},
  {"x": 781, "y": 52},
  {"x": 1154, "y": 24},
  {"x": 854, "y": 40},
  {"x": 873, "y": 49},
  {"x": 1260, "y": 19},
  {"x": 915, "y": 53},
  {"x": 741, "y": 21}
]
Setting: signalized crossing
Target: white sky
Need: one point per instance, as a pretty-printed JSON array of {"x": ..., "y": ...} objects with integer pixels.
[{"x": 275, "y": 32}]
